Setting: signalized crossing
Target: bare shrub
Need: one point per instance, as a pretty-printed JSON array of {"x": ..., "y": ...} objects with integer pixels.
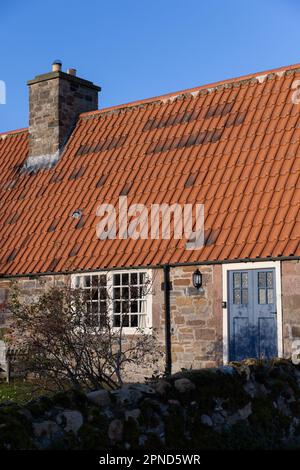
[{"x": 62, "y": 346}]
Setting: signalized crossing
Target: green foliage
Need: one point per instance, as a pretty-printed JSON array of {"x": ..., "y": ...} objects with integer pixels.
[{"x": 19, "y": 392}]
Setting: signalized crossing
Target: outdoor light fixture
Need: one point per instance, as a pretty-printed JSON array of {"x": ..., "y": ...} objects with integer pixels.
[{"x": 197, "y": 279}]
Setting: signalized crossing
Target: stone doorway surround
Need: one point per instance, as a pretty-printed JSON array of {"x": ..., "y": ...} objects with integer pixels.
[{"x": 251, "y": 265}]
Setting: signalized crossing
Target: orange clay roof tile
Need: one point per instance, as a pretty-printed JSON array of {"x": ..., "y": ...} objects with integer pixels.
[{"x": 232, "y": 146}]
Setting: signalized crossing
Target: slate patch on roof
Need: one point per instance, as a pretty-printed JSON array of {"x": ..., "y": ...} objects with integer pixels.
[
  {"x": 12, "y": 218},
  {"x": 80, "y": 223},
  {"x": 190, "y": 181},
  {"x": 53, "y": 225},
  {"x": 125, "y": 190},
  {"x": 75, "y": 250},
  {"x": 52, "y": 265},
  {"x": 107, "y": 144},
  {"x": 171, "y": 120},
  {"x": 101, "y": 181},
  {"x": 233, "y": 147},
  {"x": 12, "y": 256}
]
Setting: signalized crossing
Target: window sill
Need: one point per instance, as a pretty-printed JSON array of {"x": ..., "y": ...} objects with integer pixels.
[{"x": 133, "y": 331}]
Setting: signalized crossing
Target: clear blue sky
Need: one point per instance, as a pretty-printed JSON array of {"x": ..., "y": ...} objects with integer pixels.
[{"x": 136, "y": 49}]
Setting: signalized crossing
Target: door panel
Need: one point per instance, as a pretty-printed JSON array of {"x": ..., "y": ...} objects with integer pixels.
[
  {"x": 252, "y": 314},
  {"x": 241, "y": 337},
  {"x": 267, "y": 337}
]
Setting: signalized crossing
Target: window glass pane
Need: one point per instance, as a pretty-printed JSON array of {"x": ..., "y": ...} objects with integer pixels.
[
  {"x": 244, "y": 280},
  {"x": 125, "y": 279},
  {"x": 270, "y": 296},
  {"x": 236, "y": 296},
  {"x": 102, "y": 280},
  {"x": 142, "y": 278},
  {"x": 117, "y": 293},
  {"x": 125, "y": 320},
  {"x": 95, "y": 294},
  {"x": 134, "y": 292},
  {"x": 261, "y": 296},
  {"x": 117, "y": 279},
  {"x": 270, "y": 279},
  {"x": 117, "y": 320},
  {"x": 94, "y": 307},
  {"x": 125, "y": 292},
  {"x": 125, "y": 307},
  {"x": 103, "y": 307},
  {"x": 261, "y": 279},
  {"x": 134, "y": 320},
  {"x": 77, "y": 281},
  {"x": 86, "y": 281},
  {"x": 134, "y": 307},
  {"x": 236, "y": 280},
  {"x": 95, "y": 281},
  {"x": 134, "y": 278},
  {"x": 143, "y": 291},
  {"x": 244, "y": 296},
  {"x": 117, "y": 307},
  {"x": 103, "y": 293}
]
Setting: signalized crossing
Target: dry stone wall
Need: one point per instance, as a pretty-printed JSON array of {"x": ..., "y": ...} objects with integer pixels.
[{"x": 250, "y": 405}]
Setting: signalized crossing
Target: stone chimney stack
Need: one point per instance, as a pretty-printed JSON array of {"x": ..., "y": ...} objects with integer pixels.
[{"x": 55, "y": 101}]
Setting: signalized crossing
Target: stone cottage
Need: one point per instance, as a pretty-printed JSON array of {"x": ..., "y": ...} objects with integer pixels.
[{"x": 231, "y": 146}]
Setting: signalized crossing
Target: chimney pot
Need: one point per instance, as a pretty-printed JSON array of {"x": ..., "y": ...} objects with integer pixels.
[
  {"x": 72, "y": 72},
  {"x": 56, "y": 66}
]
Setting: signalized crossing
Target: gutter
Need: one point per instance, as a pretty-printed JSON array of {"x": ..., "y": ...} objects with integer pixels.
[
  {"x": 168, "y": 367},
  {"x": 152, "y": 266}
]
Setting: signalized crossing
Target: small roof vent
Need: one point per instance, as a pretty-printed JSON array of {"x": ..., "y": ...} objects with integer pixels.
[{"x": 77, "y": 214}]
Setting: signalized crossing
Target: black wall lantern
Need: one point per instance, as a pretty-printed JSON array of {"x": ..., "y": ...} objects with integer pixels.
[{"x": 197, "y": 279}]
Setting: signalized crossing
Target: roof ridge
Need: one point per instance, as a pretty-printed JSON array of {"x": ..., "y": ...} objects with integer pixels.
[
  {"x": 16, "y": 131},
  {"x": 210, "y": 86}
]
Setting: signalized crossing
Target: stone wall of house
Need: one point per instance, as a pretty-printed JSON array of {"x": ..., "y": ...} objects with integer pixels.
[
  {"x": 30, "y": 287},
  {"x": 196, "y": 316},
  {"x": 290, "y": 271}
]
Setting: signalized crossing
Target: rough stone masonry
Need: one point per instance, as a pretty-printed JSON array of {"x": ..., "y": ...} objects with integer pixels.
[{"x": 55, "y": 101}]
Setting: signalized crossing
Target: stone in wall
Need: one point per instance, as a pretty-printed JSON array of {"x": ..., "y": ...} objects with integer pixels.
[
  {"x": 196, "y": 318},
  {"x": 290, "y": 271},
  {"x": 248, "y": 405}
]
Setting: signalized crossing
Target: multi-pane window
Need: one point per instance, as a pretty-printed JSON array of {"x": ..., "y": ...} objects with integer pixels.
[
  {"x": 122, "y": 298},
  {"x": 129, "y": 299},
  {"x": 240, "y": 288},
  {"x": 265, "y": 287},
  {"x": 95, "y": 286}
]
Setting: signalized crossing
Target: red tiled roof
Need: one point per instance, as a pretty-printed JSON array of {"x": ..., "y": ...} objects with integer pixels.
[{"x": 232, "y": 146}]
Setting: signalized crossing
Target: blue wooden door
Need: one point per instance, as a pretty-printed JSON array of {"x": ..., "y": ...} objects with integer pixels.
[{"x": 252, "y": 314}]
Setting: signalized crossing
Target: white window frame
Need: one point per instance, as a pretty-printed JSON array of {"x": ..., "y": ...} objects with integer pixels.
[
  {"x": 251, "y": 265},
  {"x": 128, "y": 330}
]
